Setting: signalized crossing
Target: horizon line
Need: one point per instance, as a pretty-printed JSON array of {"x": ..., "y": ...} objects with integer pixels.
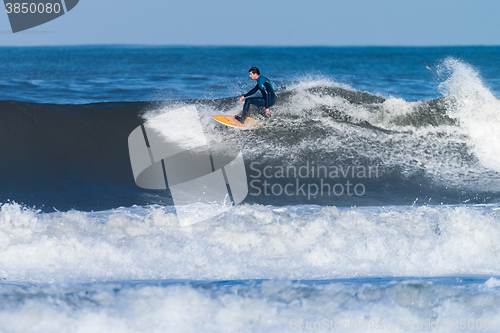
[{"x": 258, "y": 45}]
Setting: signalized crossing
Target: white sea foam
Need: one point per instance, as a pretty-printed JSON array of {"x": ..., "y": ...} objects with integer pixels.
[
  {"x": 249, "y": 242},
  {"x": 476, "y": 108},
  {"x": 492, "y": 283},
  {"x": 270, "y": 306}
]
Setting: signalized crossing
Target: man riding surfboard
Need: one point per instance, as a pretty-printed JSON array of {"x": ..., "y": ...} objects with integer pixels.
[{"x": 268, "y": 97}]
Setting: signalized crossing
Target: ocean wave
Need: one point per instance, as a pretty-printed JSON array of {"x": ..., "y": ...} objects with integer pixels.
[{"x": 436, "y": 151}]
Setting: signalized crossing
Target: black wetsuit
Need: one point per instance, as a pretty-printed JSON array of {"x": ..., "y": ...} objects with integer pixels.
[{"x": 268, "y": 97}]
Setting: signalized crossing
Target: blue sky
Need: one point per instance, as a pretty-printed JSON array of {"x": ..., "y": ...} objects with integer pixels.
[{"x": 272, "y": 22}]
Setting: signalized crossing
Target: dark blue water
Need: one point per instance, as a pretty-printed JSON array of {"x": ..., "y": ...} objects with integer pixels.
[{"x": 87, "y": 74}]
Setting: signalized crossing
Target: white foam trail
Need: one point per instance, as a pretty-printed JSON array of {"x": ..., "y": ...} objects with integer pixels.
[{"x": 249, "y": 242}]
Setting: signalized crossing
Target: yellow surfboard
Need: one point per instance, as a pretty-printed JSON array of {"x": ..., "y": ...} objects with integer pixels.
[{"x": 250, "y": 123}]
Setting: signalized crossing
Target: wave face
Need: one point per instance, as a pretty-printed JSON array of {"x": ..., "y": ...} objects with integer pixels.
[
  {"x": 68, "y": 156},
  {"x": 326, "y": 144}
]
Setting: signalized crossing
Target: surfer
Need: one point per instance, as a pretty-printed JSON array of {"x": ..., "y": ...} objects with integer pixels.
[{"x": 267, "y": 100}]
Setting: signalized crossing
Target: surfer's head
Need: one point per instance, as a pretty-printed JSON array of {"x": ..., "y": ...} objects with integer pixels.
[{"x": 254, "y": 73}]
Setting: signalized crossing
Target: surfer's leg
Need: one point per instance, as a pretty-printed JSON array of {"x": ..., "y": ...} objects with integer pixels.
[{"x": 258, "y": 101}]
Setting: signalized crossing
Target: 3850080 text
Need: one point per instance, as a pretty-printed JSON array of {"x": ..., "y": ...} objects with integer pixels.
[
  {"x": 32, "y": 8},
  {"x": 470, "y": 324}
]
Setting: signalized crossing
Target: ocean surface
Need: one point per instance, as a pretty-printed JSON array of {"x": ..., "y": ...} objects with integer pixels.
[{"x": 373, "y": 192}]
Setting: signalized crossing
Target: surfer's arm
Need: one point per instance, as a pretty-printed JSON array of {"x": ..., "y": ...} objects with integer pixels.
[{"x": 253, "y": 91}]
